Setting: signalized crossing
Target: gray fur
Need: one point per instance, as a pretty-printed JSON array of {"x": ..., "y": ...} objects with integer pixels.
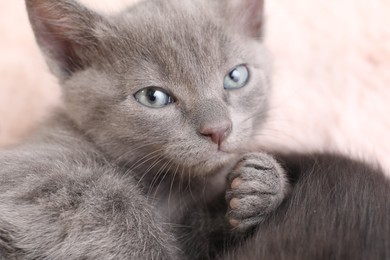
[
  {"x": 60, "y": 200},
  {"x": 108, "y": 178}
]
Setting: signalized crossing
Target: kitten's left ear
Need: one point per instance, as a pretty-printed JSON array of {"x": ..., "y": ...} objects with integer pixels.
[{"x": 247, "y": 16}]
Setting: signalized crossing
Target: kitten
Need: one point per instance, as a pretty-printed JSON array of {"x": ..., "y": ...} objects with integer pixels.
[
  {"x": 152, "y": 155},
  {"x": 152, "y": 158}
]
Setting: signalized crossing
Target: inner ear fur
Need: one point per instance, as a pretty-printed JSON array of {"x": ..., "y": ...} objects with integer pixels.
[{"x": 64, "y": 31}]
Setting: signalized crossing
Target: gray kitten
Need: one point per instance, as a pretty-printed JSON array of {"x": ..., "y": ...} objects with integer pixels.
[{"x": 151, "y": 156}]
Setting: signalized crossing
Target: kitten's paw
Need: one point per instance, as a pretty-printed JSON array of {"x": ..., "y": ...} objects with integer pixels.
[{"x": 257, "y": 185}]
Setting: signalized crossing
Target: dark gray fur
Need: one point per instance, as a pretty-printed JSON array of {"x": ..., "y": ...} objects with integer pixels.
[
  {"x": 108, "y": 178},
  {"x": 338, "y": 209}
]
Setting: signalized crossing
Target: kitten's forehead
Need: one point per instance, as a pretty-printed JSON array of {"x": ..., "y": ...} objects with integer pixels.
[{"x": 174, "y": 42}]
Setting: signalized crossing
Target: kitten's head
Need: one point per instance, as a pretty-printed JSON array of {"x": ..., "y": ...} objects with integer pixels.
[{"x": 183, "y": 82}]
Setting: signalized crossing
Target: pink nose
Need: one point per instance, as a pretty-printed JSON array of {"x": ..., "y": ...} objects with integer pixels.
[{"x": 217, "y": 133}]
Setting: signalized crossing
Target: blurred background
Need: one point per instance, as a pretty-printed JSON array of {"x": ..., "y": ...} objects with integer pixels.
[{"x": 331, "y": 76}]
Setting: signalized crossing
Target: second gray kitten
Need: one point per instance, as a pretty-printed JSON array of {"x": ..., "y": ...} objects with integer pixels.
[{"x": 152, "y": 155}]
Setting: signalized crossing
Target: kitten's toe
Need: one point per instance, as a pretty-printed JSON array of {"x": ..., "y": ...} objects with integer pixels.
[
  {"x": 257, "y": 186},
  {"x": 250, "y": 210},
  {"x": 236, "y": 183},
  {"x": 234, "y": 203}
]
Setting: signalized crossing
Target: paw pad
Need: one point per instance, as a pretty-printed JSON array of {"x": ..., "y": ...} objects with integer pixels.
[
  {"x": 236, "y": 183},
  {"x": 234, "y": 203},
  {"x": 234, "y": 223}
]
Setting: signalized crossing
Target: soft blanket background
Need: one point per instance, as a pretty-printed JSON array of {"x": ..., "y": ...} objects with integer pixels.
[{"x": 331, "y": 76}]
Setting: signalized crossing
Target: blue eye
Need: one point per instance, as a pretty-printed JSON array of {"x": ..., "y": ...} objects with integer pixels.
[
  {"x": 236, "y": 78},
  {"x": 153, "y": 97}
]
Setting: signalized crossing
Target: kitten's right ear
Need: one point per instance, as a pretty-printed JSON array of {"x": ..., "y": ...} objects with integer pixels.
[{"x": 64, "y": 31}]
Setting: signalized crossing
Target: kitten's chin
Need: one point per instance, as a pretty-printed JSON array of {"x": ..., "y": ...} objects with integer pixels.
[
  {"x": 223, "y": 159},
  {"x": 215, "y": 163}
]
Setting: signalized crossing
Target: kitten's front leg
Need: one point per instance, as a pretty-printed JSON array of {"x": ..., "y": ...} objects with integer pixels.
[{"x": 256, "y": 187}]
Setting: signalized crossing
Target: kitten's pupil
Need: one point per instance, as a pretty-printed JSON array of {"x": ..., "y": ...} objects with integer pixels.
[
  {"x": 235, "y": 76},
  {"x": 151, "y": 94}
]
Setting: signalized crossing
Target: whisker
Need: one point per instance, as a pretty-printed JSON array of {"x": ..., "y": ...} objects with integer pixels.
[
  {"x": 170, "y": 189},
  {"x": 144, "y": 159},
  {"x": 133, "y": 151},
  {"x": 196, "y": 200},
  {"x": 148, "y": 158},
  {"x": 164, "y": 176},
  {"x": 156, "y": 162},
  {"x": 156, "y": 177}
]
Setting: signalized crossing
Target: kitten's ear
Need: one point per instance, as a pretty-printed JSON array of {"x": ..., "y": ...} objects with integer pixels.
[
  {"x": 247, "y": 15},
  {"x": 64, "y": 32}
]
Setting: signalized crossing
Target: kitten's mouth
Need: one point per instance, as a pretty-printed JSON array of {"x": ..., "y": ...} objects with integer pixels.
[
  {"x": 218, "y": 159},
  {"x": 217, "y": 156}
]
